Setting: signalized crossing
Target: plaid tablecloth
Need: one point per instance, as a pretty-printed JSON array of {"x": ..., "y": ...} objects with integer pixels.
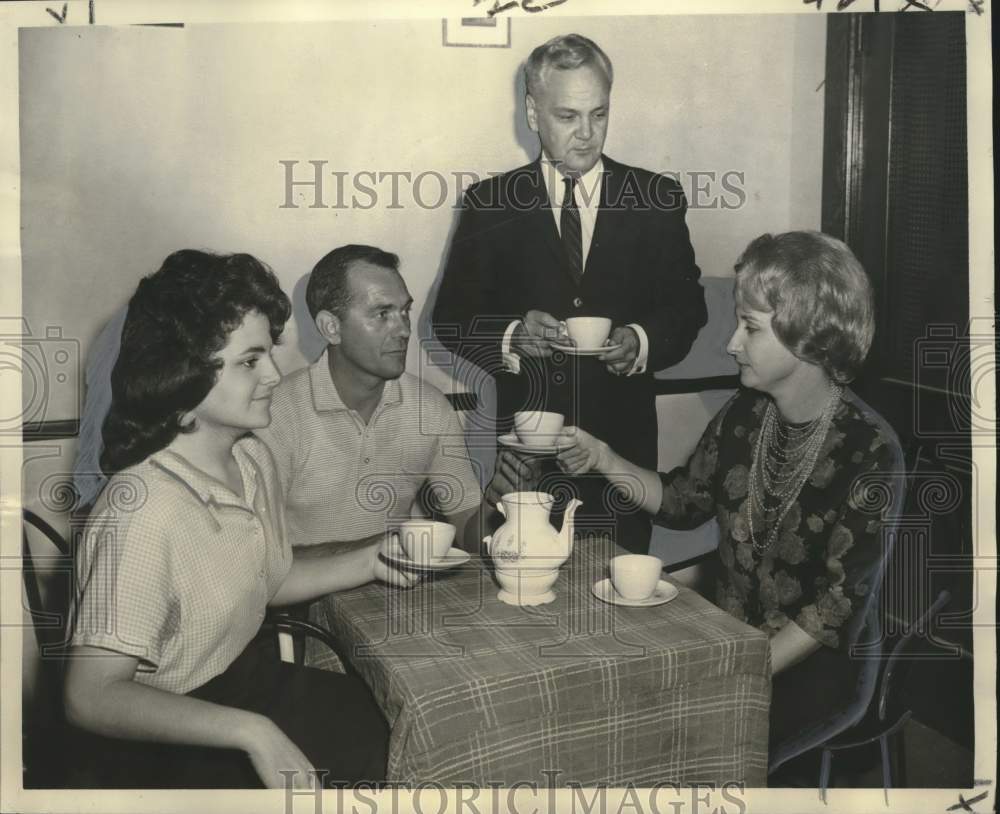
[{"x": 480, "y": 692}]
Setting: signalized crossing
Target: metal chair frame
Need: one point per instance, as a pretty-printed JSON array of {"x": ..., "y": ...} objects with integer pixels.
[
  {"x": 49, "y": 629},
  {"x": 881, "y": 723}
]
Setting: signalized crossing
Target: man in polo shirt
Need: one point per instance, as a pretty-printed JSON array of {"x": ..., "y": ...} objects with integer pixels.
[{"x": 356, "y": 439}]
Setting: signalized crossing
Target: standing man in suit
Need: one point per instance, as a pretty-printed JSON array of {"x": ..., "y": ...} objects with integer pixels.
[{"x": 574, "y": 233}]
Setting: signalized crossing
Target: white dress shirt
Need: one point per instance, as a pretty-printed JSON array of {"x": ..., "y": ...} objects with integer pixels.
[{"x": 587, "y": 195}]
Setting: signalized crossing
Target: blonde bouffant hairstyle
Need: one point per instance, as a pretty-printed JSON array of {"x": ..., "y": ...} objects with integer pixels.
[{"x": 821, "y": 298}]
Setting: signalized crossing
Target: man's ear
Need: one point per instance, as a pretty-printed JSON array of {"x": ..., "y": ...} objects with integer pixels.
[
  {"x": 531, "y": 111},
  {"x": 328, "y": 324}
]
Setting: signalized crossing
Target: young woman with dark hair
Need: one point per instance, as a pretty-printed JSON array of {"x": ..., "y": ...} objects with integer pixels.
[{"x": 168, "y": 681}]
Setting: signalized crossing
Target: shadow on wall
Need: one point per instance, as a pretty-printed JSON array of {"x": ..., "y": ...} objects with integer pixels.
[
  {"x": 708, "y": 356},
  {"x": 310, "y": 340},
  {"x": 479, "y": 424},
  {"x": 524, "y": 135}
]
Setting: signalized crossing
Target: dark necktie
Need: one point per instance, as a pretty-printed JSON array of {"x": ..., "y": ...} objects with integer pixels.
[{"x": 569, "y": 228}]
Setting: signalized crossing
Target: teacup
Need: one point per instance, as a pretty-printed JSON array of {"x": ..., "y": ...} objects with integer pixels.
[
  {"x": 588, "y": 332},
  {"x": 538, "y": 428},
  {"x": 635, "y": 576},
  {"x": 425, "y": 540}
]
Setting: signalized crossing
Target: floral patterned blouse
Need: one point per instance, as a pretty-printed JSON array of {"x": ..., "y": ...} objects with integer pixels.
[{"x": 824, "y": 563}]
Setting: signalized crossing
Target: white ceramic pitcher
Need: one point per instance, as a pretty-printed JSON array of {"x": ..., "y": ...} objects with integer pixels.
[{"x": 526, "y": 550}]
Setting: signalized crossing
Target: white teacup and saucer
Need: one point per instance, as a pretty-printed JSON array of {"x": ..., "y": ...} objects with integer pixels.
[
  {"x": 635, "y": 582},
  {"x": 588, "y": 337},
  {"x": 537, "y": 432}
]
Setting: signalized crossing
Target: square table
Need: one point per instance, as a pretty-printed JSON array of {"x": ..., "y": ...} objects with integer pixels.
[{"x": 576, "y": 691}]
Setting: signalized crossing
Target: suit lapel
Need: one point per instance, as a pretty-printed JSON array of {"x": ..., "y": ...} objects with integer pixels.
[
  {"x": 617, "y": 225},
  {"x": 542, "y": 223},
  {"x": 604, "y": 226}
]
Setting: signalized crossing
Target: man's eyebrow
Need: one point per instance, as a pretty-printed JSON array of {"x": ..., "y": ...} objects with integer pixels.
[{"x": 378, "y": 306}]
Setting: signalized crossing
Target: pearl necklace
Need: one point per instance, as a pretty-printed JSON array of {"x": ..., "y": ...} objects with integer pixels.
[{"x": 783, "y": 459}]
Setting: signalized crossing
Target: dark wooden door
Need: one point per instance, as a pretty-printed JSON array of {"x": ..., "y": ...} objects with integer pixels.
[{"x": 895, "y": 189}]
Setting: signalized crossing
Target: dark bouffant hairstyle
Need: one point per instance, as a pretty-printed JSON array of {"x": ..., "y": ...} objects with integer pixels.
[
  {"x": 178, "y": 319},
  {"x": 824, "y": 308},
  {"x": 328, "y": 288}
]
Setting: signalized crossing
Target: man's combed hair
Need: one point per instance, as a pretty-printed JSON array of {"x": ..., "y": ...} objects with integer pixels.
[
  {"x": 328, "y": 288},
  {"x": 178, "y": 319},
  {"x": 821, "y": 297},
  {"x": 564, "y": 53}
]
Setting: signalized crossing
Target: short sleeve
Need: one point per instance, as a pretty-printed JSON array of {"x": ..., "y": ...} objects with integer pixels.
[
  {"x": 689, "y": 490},
  {"x": 451, "y": 486},
  {"x": 126, "y": 601},
  {"x": 270, "y": 510}
]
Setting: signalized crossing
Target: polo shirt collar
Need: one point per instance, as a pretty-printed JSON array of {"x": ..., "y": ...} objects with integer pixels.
[
  {"x": 210, "y": 491},
  {"x": 324, "y": 391}
]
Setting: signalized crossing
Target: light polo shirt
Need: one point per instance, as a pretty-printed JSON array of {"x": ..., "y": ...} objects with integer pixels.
[
  {"x": 347, "y": 480},
  {"x": 176, "y": 570}
]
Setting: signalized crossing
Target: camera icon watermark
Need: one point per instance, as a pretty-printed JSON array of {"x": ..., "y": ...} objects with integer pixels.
[
  {"x": 960, "y": 365},
  {"x": 48, "y": 365},
  {"x": 474, "y": 358}
]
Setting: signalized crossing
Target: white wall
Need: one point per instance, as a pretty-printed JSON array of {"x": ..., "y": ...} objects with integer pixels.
[{"x": 139, "y": 140}]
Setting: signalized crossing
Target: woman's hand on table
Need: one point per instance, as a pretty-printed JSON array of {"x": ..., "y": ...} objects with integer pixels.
[{"x": 587, "y": 453}]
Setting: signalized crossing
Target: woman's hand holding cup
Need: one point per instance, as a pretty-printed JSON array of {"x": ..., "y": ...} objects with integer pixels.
[{"x": 587, "y": 453}]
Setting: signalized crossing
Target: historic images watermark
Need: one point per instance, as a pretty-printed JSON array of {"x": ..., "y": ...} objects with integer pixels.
[
  {"x": 961, "y": 363},
  {"x": 313, "y": 184},
  {"x": 524, "y": 797}
]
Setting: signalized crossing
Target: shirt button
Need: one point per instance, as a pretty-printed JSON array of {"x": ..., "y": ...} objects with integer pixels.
[
  {"x": 578, "y": 302},
  {"x": 368, "y": 460}
]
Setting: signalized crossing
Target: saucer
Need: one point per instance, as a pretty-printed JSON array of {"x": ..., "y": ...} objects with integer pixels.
[
  {"x": 605, "y": 591},
  {"x": 451, "y": 558},
  {"x": 510, "y": 440},
  {"x": 574, "y": 350}
]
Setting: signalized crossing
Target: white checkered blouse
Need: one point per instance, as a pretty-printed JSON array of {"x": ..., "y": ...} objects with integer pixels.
[
  {"x": 344, "y": 479},
  {"x": 176, "y": 570}
]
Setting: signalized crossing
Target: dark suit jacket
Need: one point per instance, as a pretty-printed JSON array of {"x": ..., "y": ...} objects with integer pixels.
[{"x": 507, "y": 258}]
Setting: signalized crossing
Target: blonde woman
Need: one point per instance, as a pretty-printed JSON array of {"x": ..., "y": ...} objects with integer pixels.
[{"x": 801, "y": 475}]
